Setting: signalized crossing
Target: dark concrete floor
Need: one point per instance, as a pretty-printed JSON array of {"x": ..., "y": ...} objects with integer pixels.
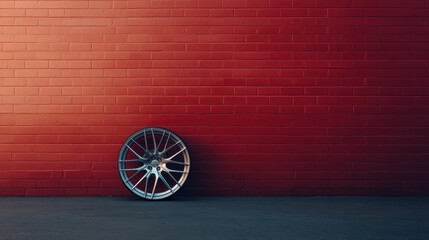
[{"x": 329, "y": 218}]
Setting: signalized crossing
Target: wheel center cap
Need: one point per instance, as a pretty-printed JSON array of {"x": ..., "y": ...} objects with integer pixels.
[{"x": 154, "y": 163}]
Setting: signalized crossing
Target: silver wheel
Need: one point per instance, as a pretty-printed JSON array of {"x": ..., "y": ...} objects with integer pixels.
[{"x": 153, "y": 163}]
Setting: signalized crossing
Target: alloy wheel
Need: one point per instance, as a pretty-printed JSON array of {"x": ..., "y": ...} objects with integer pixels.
[{"x": 153, "y": 163}]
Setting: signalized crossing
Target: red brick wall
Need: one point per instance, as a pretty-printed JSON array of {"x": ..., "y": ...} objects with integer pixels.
[{"x": 274, "y": 97}]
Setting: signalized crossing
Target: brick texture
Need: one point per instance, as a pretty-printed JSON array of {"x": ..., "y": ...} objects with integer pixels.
[{"x": 278, "y": 97}]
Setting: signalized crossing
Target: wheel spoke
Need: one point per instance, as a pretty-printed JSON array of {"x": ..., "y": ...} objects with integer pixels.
[
  {"x": 145, "y": 139},
  {"x": 171, "y": 175},
  {"x": 170, "y": 147},
  {"x": 176, "y": 162},
  {"x": 134, "y": 151},
  {"x": 145, "y": 186},
  {"x": 166, "y": 142},
  {"x": 154, "y": 185},
  {"x": 181, "y": 150},
  {"x": 130, "y": 160},
  {"x": 128, "y": 179},
  {"x": 144, "y": 149},
  {"x": 165, "y": 181},
  {"x": 141, "y": 179},
  {"x": 176, "y": 171},
  {"x": 154, "y": 141},
  {"x": 132, "y": 169},
  {"x": 160, "y": 141}
]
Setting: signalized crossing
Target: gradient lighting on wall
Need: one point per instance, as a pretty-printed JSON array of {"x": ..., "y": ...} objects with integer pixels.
[{"x": 272, "y": 97}]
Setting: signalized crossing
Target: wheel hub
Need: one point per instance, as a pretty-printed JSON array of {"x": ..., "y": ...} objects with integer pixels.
[{"x": 154, "y": 163}]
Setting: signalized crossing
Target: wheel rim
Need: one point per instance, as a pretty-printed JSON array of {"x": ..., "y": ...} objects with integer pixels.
[{"x": 153, "y": 163}]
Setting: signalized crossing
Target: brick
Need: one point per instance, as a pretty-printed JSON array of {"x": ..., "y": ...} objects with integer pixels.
[
  {"x": 36, "y": 64},
  {"x": 304, "y": 100},
  {"x": 6, "y": 91},
  {"x": 70, "y": 109},
  {"x": 14, "y": 99},
  {"x": 31, "y": 174},
  {"x": 49, "y": 91},
  {"x": 56, "y": 12},
  {"x": 14, "y": 46},
  {"x": 26, "y": 73},
  {"x": 36, "y": 12}
]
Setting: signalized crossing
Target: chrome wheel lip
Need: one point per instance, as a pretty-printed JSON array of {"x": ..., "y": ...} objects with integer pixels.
[{"x": 156, "y": 169}]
